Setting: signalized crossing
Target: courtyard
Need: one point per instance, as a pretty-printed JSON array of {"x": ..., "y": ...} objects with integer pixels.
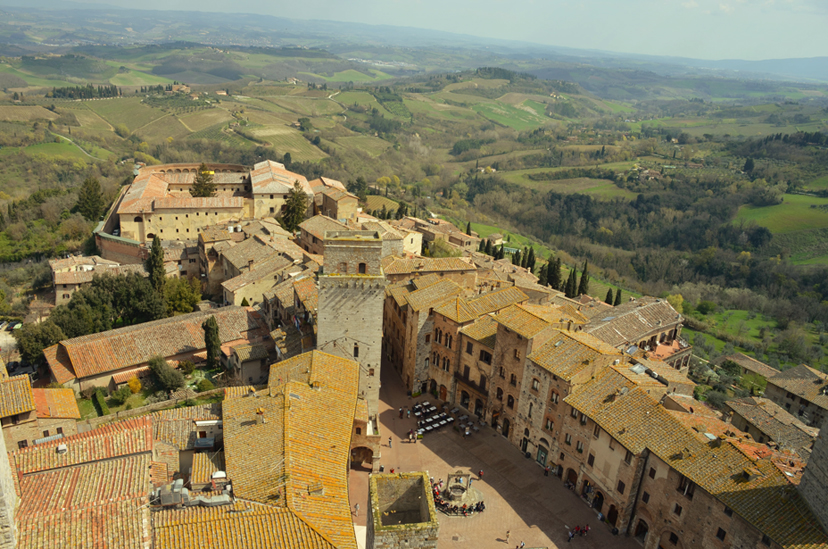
[{"x": 534, "y": 509}]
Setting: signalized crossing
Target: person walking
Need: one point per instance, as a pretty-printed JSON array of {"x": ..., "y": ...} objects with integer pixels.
[
  {"x": 389, "y": 442},
  {"x": 585, "y": 530},
  {"x": 508, "y": 533},
  {"x": 408, "y": 413},
  {"x": 480, "y": 474},
  {"x": 356, "y": 509},
  {"x": 400, "y": 413},
  {"x": 522, "y": 545},
  {"x": 571, "y": 535},
  {"x": 546, "y": 471}
]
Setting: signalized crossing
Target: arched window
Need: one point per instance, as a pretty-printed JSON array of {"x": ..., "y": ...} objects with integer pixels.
[
  {"x": 482, "y": 382},
  {"x": 448, "y": 365},
  {"x": 530, "y": 411},
  {"x": 356, "y": 350},
  {"x": 510, "y": 401},
  {"x": 138, "y": 219},
  {"x": 444, "y": 363},
  {"x": 513, "y": 380},
  {"x": 499, "y": 393},
  {"x": 363, "y": 268}
]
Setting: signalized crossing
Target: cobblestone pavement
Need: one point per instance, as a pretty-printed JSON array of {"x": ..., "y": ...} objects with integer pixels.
[{"x": 535, "y": 509}]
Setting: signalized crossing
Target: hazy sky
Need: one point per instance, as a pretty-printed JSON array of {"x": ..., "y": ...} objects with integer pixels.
[{"x": 706, "y": 29}]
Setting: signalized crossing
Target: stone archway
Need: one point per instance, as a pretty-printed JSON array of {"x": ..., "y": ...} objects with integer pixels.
[
  {"x": 598, "y": 501},
  {"x": 641, "y": 531},
  {"x": 572, "y": 476},
  {"x": 612, "y": 515},
  {"x": 670, "y": 540},
  {"x": 505, "y": 429},
  {"x": 443, "y": 393},
  {"x": 362, "y": 458}
]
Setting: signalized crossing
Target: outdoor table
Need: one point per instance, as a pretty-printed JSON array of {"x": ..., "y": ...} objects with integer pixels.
[
  {"x": 417, "y": 413},
  {"x": 425, "y": 403},
  {"x": 444, "y": 422},
  {"x": 432, "y": 409},
  {"x": 464, "y": 418},
  {"x": 429, "y": 428},
  {"x": 420, "y": 431},
  {"x": 476, "y": 428},
  {"x": 450, "y": 419},
  {"x": 455, "y": 410}
]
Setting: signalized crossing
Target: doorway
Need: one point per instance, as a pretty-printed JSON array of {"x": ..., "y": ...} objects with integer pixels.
[
  {"x": 542, "y": 454},
  {"x": 443, "y": 393},
  {"x": 598, "y": 502},
  {"x": 524, "y": 445},
  {"x": 478, "y": 408},
  {"x": 506, "y": 428},
  {"x": 612, "y": 515}
]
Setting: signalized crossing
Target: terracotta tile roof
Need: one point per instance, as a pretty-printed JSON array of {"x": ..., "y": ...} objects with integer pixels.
[
  {"x": 16, "y": 396},
  {"x": 462, "y": 310},
  {"x": 665, "y": 371},
  {"x": 567, "y": 353},
  {"x": 84, "y": 486},
  {"x": 140, "y": 194},
  {"x": 283, "y": 292},
  {"x": 386, "y": 231},
  {"x": 425, "y": 281},
  {"x": 134, "y": 345},
  {"x": 321, "y": 183},
  {"x": 433, "y": 295},
  {"x": 637, "y": 421},
  {"x": 307, "y": 293},
  {"x": 804, "y": 382},
  {"x": 632, "y": 321},
  {"x": 177, "y": 427},
  {"x": 775, "y": 422},
  {"x": 159, "y": 475},
  {"x": 396, "y": 265},
  {"x": 123, "y": 377},
  {"x": 253, "y": 249},
  {"x": 59, "y": 363},
  {"x": 563, "y": 316},
  {"x": 237, "y": 392},
  {"x": 270, "y": 177},
  {"x": 255, "y": 351},
  {"x": 289, "y": 446},
  {"x": 241, "y": 525},
  {"x": 268, "y": 268},
  {"x": 122, "y": 438},
  {"x": 204, "y": 465},
  {"x": 338, "y": 194},
  {"x": 528, "y": 322},
  {"x": 83, "y": 277},
  {"x": 56, "y": 403},
  {"x": 399, "y": 291},
  {"x": 121, "y": 524},
  {"x": 318, "y": 224},
  {"x": 698, "y": 425},
  {"x": 484, "y": 330},
  {"x": 75, "y": 261}
]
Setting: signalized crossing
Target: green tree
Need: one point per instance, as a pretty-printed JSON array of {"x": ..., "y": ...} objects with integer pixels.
[
  {"x": 617, "y": 297},
  {"x": 245, "y": 303},
  {"x": 749, "y": 165},
  {"x": 608, "y": 299},
  {"x": 182, "y": 294},
  {"x": 203, "y": 185},
  {"x": 572, "y": 284},
  {"x": 677, "y": 301},
  {"x": 583, "y": 286},
  {"x": 516, "y": 258},
  {"x": 360, "y": 188},
  {"x": 530, "y": 261},
  {"x": 166, "y": 377},
  {"x": 488, "y": 248},
  {"x": 542, "y": 275},
  {"x": 553, "y": 274},
  {"x": 295, "y": 207},
  {"x": 468, "y": 228},
  {"x": 212, "y": 341},
  {"x": 155, "y": 265},
  {"x": 90, "y": 202},
  {"x": 287, "y": 160},
  {"x": 33, "y": 338}
]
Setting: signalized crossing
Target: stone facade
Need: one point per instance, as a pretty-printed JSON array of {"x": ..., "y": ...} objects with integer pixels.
[
  {"x": 27, "y": 431},
  {"x": 8, "y": 501},
  {"x": 401, "y": 513},
  {"x": 671, "y": 511},
  {"x": 351, "y": 297},
  {"x": 814, "y": 485}
]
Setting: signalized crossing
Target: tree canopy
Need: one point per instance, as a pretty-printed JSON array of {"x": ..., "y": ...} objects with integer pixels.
[
  {"x": 203, "y": 185},
  {"x": 33, "y": 338},
  {"x": 90, "y": 202},
  {"x": 212, "y": 341},
  {"x": 295, "y": 207},
  {"x": 155, "y": 265},
  {"x": 165, "y": 376},
  {"x": 182, "y": 294}
]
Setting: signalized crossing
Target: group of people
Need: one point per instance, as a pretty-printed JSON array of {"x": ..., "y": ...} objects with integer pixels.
[
  {"x": 578, "y": 531},
  {"x": 450, "y": 508}
]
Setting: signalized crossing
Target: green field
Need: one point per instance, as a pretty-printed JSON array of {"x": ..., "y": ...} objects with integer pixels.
[
  {"x": 205, "y": 118},
  {"x": 161, "y": 129},
  {"x": 794, "y": 214},
  {"x": 819, "y": 184},
  {"x": 64, "y": 149},
  {"x": 285, "y": 139},
  {"x": 376, "y": 202},
  {"x": 510, "y": 116},
  {"x": 34, "y": 80},
  {"x": 128, "y": 111},
  {"x": 138, "y": 78},
  {"x": 370, "y": 144}
]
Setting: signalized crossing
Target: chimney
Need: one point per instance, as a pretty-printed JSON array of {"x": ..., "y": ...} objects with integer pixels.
[
  {"x": 260, "y": 416},
  {"x": 250, "y": 264}
]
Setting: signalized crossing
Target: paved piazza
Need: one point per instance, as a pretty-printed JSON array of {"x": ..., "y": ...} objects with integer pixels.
[{"x": 537, "y": 510}]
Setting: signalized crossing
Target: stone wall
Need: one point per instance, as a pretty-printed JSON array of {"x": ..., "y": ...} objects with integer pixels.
[
  {"x": 401, "y": 513},
  {"x": 350, "y": 309},
  {"x": 814, "y": 485},
  {"x": 8, "y": 501}
]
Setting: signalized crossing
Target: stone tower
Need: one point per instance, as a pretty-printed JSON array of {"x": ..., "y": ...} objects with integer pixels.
[
  {"x": 8, "y": 500},
  {"x": 351, "y": 298},
  {"x": 814, "y": 484},
  {"x": 401, "y": 512}
]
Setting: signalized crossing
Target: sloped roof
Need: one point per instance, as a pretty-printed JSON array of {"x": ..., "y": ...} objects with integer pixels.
[
  {"x": 267, "y": 268},
  {"x": 433, "y": 295},
  {"x": 567, "y": 353},
  {"x": 396, "y": 265},
  {"x": 289, "y": 446},
  {"x": 768, "y": 502},
  {"x": 484, "y": 330},
  {"x": 633, "y": 320},
  {"x": 176, "y": 426},
  {"x": 56, "y": 403},
  {"x": 523, "y": 321},
  {"x": 83, "y": 277},
  {"x": 321, "y": 183},
  {"x": 59, "y": 363},
  {"x": 270, "y": 177},
  {"x": 773, "y": 420},
  {"x": 134, "y": 345},
  {"x": 204, "y": 465},
  {"x": 462, "y": 310},
  {"x": 318, "y": 224},
  {"x": 16, "y": 396},
  {"x": 804, "y": 382},
  {"x": 307, "y": 292}
]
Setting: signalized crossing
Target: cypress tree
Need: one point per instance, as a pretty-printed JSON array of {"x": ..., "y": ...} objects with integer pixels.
[
  {"x": 468, "y": 228},
  {"x": 501, "y": 252},
  {"x": 90, "y": 202},
  {"x": 488, "y": 248},
  {"x": 583, "y": 286},
  {"x": 524, "y": 259},
  {"x": 530, "y": 262},
  {"x": 553, "y": 274},
  {"x": 212, "y": 341},
  {"x": 516, "y": 258},
  {"x": 155, "y": 265},
  {"x": 617, "y": 297},
  {"x": 571, "y": 284},
  {"x": 542, "y": 275},
  {"x": 608, "y": 299},
  {"x": 481, "y": 246}
]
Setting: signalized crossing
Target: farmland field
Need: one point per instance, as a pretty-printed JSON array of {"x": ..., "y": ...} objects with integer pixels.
[
  {"x": 351, "y": 75},
  {"x": 286, "y": 139},
  {"x": 161, "y": 129},
  {"x": 215, "y": 133},
  {"x": 128, "y": 111},
  {"x": 510, "y": 116},
  {"x": 137, "y": 78},
  {"x": 794, "y": 214},
  {"x": 372, "y": 145},
  {"x": 25, "y": 113},
  {"x": 205, "y": 118},
  {"x": 306, "y": 106},
  {"x": 376, "y": 202},
  {"x": 64, "y": 149}
]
